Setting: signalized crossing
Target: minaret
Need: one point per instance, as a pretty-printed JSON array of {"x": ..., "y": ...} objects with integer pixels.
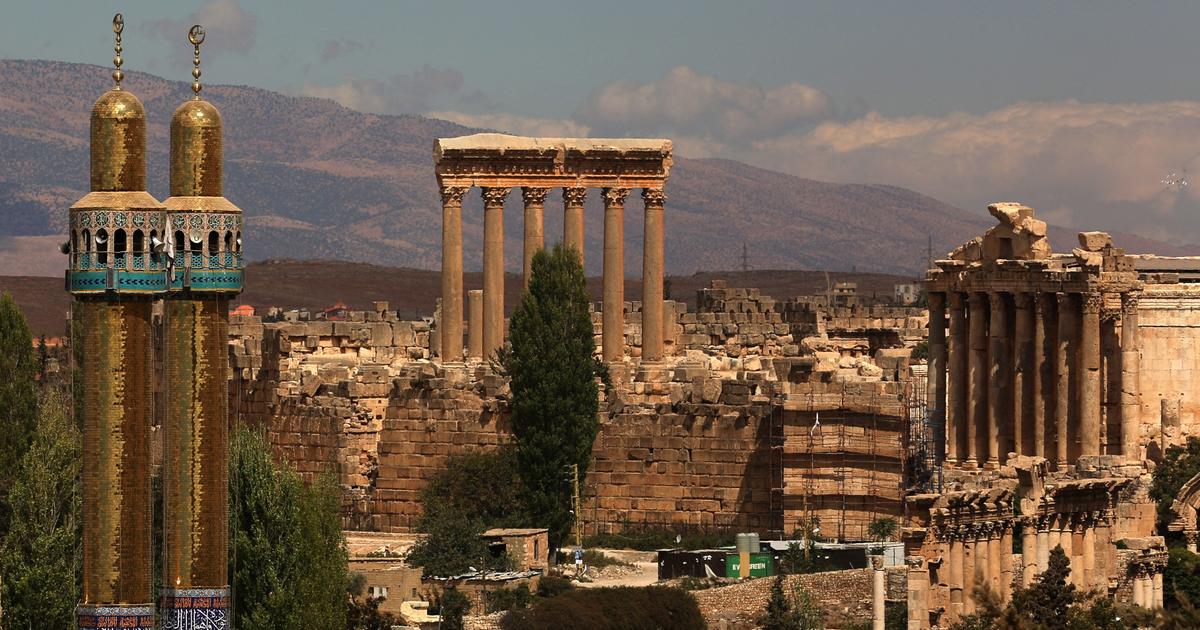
[
  {"x": 206, "y": 232},
  {"x": 115, "y": 273}
]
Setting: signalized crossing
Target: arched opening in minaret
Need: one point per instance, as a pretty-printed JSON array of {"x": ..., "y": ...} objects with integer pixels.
[
  {"x": 139, "y": 242},
  {"x": 74, "y": 241},
  {"x": 238, "y": 243},
  {"x": 214, "y": 242},
  {"x": 180, "y": 244},
  {"x": 229, "y": 241},
  {"x": 87, "y": 240},
  {"x": 120, "y": 247},
  {"x": 102, "y": 246}
]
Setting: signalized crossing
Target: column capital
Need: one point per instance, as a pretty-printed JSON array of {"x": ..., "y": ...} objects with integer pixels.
[
  {"x": 614, "y": 196},
  {"x": 654, "y": 196},
  {"x": 977, "y": 299},
  {"x": 574, "y": 196},
  {"x": 915, "y": 563},
  {"x": 937, "y": 299},
  {"x": 494, "y": 197},
  {"x": 1129, "y": 302},
  {"x": 453, "y": 195},
  {"x": 955, "y": 298},
  {"x": 533, "y": 196},
  {"x": 1092, "y": 302},
  {"x": 1023, "y": 300}
]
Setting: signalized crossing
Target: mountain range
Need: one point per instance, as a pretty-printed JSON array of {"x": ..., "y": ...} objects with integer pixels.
[{"x": 319, "y": 181}]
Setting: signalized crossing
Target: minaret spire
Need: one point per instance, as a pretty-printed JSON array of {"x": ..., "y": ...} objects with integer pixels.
[
  {"x": 118, "y": 26},
  {"x": 196, "y": 37}
]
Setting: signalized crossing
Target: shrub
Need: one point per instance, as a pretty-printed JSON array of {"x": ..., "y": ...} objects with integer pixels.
[
  {"x": 452, "y": 606},
  {"x": 505, "y": 599},
  {"x": 649, "y": 608},
  {"x": 553, "y": 586}
]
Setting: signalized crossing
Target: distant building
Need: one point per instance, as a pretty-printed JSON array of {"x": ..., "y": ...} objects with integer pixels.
[
  {"x": 243, "y": 310},
  {"x": 906, "y": 293},
  {"x": 529, "y": 548}
]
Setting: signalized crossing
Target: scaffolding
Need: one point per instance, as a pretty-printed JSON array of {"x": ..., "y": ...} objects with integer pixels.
[{"x": 924, "y": 439}]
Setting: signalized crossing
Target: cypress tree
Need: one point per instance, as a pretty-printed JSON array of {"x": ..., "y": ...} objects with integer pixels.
[
  {"x": 18, "y": 396},
  {"x": 550, "y": 361}
]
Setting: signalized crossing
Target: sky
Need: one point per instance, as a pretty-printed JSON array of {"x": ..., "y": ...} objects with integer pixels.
[{"x": 1079, "y": 109}]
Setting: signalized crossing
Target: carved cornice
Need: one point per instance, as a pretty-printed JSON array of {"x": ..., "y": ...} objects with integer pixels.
[
  {"x": 614, "y": 196},
  {"x": 534, "y": 196},
  {"x": 494, "y": 197},
  {"x": 654, "y": 197},
  {"x": 573, "y": 197},
  {"x": 453, "y": 195}
]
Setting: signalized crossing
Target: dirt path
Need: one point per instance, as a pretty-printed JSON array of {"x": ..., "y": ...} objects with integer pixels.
[{"x": 644, "y": 571}]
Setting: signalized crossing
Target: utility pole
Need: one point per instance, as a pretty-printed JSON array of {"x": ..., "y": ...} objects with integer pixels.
[
  {"x": 745, "y": 259},
  {"x": 575, "y": 506}
]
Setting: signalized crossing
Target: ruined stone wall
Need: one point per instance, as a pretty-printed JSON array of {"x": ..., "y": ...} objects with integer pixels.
[{"x": 1169, "y": 328}]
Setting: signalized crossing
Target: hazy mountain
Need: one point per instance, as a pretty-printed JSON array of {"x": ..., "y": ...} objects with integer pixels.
[{"x": 317, "y": 180}]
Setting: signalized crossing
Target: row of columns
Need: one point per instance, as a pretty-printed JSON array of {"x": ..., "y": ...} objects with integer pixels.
[
  {"x": 1021, "y": 372},
  {"x": 574, "y": 198},
  {"x": 979, "y": 554},
  {"x": 1146, "y": 584}
]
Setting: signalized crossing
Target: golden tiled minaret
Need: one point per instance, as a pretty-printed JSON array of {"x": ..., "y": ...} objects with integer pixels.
[
  {"x": 115, "y": 273},
  {"x": 206, "y": 234}
]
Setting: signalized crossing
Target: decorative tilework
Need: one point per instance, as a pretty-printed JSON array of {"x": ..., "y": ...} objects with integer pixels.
[
  {"x": 107, "y": 617},
  {"x": 195, "y": 609}
]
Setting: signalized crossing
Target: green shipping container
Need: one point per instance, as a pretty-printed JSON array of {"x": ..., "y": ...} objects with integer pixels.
[{"x": 761, "y": 565}]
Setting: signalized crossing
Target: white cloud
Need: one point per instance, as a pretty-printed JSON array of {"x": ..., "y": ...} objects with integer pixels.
[
  {"x": 401, "y": 94},
  {"x": 518, "y": 125},
  {"x": 228, "y": 28},
  {"x": 687, "y": 102}
]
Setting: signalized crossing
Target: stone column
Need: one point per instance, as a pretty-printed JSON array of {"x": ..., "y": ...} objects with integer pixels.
[
  {"x": 1089, "y": 372},
  {"x": 475, "y": 323},
  {"x": 1156, "y": 580},
  {"x": 970, "y": 555},
  {"x": 1137, "y": 586},
  {"x": 613, "y": 332},
  {"x": 978, "y": 390},
  {"x": 1089, "y": 553},
  {"x": 652, "y": 275},
  {"x": 1066, "y": 541},
  {"x": 535, "y": 202},
  {"x": 1024, "y": 385},
  {"x": 999, "y": 419},
  {"x": 1043, "y": 544},
  {"x": 1006, "y": 561},
  {"x": 955, "y": 579},
  {"x": 995, "y": 569},
  {"x": 982, "y": 562},
  {"x": 1063, "y": 362},
  {"x": 1131, "y": 359},
  {"x": 1029, "y": 551},
  {"x": 878, "y": 593},
  {"x": 1045, "y": 334},
  {"x": 452, "y": 274},
  {"x": 573, "y": 201},
  {"x": 935, "y": 386},
  {"x": 956, "y": 406},
  {"x": 493, "y": 269},
  {"x": 918, "y": 593}
]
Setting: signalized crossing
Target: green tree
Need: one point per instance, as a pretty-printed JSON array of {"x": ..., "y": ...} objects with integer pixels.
[
  {"x": 40, "y": 556},
  {"x": 18, "y": 396},
  {"x": 1181, "y": 580},
  {"x": 1179, "y": 464},
  {"x": 288, "y": 553},
  {"x": 555, "y": 396},
  {"x": 452, "y": 606},
  {"x": 472, "y": 493},
  {"x": 795, "y": 611}
]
